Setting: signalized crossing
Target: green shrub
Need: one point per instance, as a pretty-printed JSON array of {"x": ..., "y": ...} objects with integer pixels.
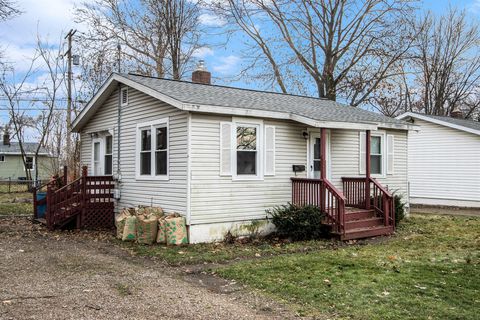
[
  {"x": 298, "y": 222},
  {"x": 399, "y": 208}
]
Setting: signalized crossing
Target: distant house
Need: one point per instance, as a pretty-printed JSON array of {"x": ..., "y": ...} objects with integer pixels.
[
  {"x": 444, "y": 161},
  {"x": 220, "y": 155},
  {"x": 12, "y": 165}
]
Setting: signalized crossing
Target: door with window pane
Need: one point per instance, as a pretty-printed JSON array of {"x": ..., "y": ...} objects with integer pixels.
[{"x": 314, "y": 165}]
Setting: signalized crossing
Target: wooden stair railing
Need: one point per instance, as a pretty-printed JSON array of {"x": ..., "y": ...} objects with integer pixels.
[
  {"x": 380, "y": 199},
  {"x": 324, "y": 195},
  {"x": 64, "y": 203}
]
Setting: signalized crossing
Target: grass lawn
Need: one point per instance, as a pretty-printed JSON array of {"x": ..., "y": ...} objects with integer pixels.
[
  {"x": 12, "y": 203},
  {"x": 429, "y": 270}
]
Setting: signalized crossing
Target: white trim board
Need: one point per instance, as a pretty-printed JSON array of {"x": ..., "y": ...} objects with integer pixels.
[
  {"x": 109, "y": 86},
  {"x": 438, "y": 121}
]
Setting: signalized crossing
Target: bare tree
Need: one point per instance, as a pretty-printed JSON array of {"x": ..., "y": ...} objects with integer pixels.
[
  {"x": 331, "y": 41},
  {"x": 447, "y": 62},
  {"x": 8, "y": 9},
  {"x": 158, "y": 37}
]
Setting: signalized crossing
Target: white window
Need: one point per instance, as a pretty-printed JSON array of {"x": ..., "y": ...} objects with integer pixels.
[
  {"x": 2, "y": 158},
  {"x": 29, "y": 163},
  {"x": 152, "y": 150},
  {"x": 108, "y": 157},
  {"x": 124, "y": 96},
  {"x": 247, "y": 151},
  {"x": 381, "y": 153}
]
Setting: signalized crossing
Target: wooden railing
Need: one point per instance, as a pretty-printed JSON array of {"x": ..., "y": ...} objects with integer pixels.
[
  {"x": 88, "y": 198},
  {"x": 383, "y": 203},
  {"x": 322, "y": 194},
  {"x": 65, "y": 202},
  {"x": 354, "y": 191},
  {"x": 379, "y": 198}
]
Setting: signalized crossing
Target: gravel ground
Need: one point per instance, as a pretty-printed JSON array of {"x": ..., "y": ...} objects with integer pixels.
[{"x": 80, "y": 275}]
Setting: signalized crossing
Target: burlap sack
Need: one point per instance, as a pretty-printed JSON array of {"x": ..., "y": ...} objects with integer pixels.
[
  {"x": 120, "y": 221},
  {"x": 176, "y": 230},
  {"x": 146, "y": 229},
  {"x": 130, "y": 229},
  {"x": 156, "y": 211},
  {"x": 161, "y": 233}
]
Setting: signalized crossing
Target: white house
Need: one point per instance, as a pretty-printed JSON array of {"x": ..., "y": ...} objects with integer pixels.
[
  {"x": 221, "y": 156},
  {"x": 444, "y": 161}
]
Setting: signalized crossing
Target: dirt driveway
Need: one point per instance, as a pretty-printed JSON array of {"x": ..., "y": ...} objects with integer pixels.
[{"x": 82, "y": 276}]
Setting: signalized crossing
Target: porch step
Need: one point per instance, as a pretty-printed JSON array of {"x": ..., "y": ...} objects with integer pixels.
[
  {"x": 363, "y": 223},
  {"x": 359, "y": 214},
  {"x": 360, "y": 233}
]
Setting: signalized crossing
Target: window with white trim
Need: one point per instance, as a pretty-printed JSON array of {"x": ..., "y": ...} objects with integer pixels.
[
  {"x": 108, "y": 157},
  {"x": 381, "y": 153},
  {"x": 29, "y": 163},
  {"x": 247, "y": 149},
  {"x": 247, "y": 153},
  {"x": 152, "y": 150}
]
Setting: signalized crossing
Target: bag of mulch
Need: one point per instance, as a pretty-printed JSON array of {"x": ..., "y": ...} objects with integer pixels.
[
  {"x": 146, "y": 229},
  {"x": 130, "y": 229},
  {"x": 120, "y": 221},
  {"x": 161, "y": 233},
  {"x": 176, "y": 229},
  {"x": 156, "y": 211}
]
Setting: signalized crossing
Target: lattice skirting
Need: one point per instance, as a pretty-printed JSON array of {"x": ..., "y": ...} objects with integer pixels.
[{"x": 99, "y": 215}]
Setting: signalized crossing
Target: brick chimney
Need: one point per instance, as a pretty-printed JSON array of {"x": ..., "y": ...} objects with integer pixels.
[
  {"x": 456, "y": 113},
  {"x": 6, "y": 138},
  {"x": 201, "y": 75}
]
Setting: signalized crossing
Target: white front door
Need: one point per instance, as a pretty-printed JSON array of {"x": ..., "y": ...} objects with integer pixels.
[{"x": 314, "y": 164}]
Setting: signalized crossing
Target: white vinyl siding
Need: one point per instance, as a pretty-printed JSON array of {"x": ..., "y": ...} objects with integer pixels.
[
  {"x": 218, "y": 198},
  {"x": 444, "y": 166},
  {"x": 345, "y": 159},
  {"x": 171, "y": 195}
]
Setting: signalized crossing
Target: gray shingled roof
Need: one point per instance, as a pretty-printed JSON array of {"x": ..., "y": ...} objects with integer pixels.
[
  {"x": 14, "y": 147},
  {"x": 475, "y": 125},
  {"x": 214, "y": 95}
]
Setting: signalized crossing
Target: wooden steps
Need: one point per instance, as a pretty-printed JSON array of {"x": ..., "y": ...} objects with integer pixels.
[{"x": 361, "y": 223}]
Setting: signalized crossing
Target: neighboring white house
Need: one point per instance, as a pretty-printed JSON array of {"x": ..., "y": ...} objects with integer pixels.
[
  {"x": 221, "y": 156},
  {"x": 444, "y": 161}
]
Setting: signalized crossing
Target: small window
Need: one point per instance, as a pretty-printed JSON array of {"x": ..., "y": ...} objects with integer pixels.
[
  {"x": 108, "y": 155},
  {"x": 146, "y": 152},
  {"x": 2, "y": 158},
  {"x": 161, "y": 151},
  {"x": 152, "y": 159},
  {"x": 376, "y": 155},
  {"x": 247, "y": 150},
  {"x": 29, "y": 163},
  {"x": 124, "y": 96}
]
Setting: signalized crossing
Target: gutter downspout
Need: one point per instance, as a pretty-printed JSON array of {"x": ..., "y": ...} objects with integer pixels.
[{"x": 119, "y": 175}]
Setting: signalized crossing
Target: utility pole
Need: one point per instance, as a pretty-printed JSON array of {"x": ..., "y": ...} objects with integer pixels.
[{"x": 69, "y": 94}]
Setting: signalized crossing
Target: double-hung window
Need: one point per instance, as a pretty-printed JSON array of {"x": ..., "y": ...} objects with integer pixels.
[
  {"x": 247, "y": 153},
  {"x": 152, "y": 150},
  {"x": 381, "y": 153},
  {"x": 247, "y": 149},
  {"x": 29, "y": 163},
  {"x": 108, "y": 157},
  {"x": 376, "y": 155}
]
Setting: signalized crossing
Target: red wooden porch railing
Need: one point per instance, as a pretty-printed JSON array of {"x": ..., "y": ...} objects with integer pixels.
[
  {"x": 88, "y": 199},
  {"x": 380, "y": 199},
  {"x": 322, "y": 194}
]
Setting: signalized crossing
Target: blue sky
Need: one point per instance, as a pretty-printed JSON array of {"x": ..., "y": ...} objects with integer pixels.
[{"x": 54, "y": 17}]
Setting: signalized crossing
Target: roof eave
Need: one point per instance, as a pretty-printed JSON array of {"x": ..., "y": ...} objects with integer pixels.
[{"x": 437, "y": 121}]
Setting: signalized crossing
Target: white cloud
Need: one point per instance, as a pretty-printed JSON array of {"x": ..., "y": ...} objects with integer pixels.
[
  {"x": 211, "y": 20},
  {"x": 202, "y": 52},
  {"x": 227, "y": 64}
]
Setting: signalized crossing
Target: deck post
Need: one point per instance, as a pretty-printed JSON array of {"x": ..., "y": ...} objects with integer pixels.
[
  {"x": 65, "y": 175},
  {"x": 323, "y": 167},
  {"x": 367, "y": 168},
  {"x": 84, "y": 198}
]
